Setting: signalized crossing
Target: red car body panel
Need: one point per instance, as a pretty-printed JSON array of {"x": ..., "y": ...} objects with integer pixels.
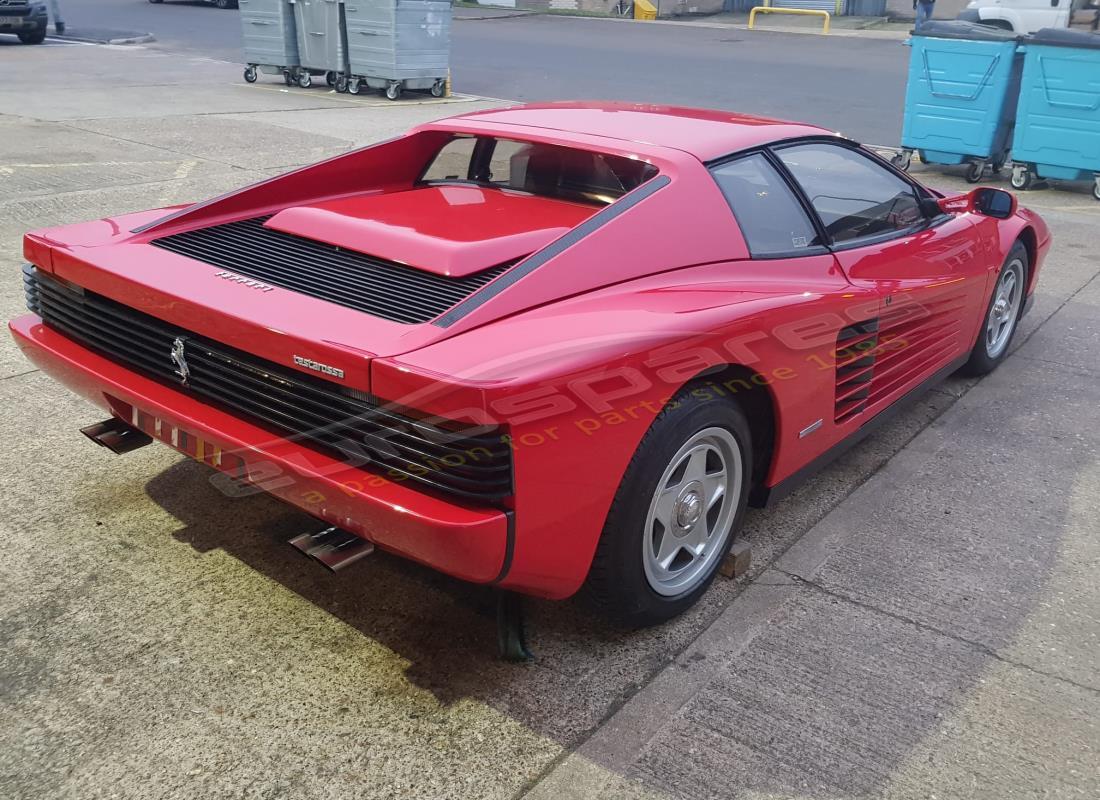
[
  {"x": 613, "y": 312},
  {"x": 448, "y": 230}
]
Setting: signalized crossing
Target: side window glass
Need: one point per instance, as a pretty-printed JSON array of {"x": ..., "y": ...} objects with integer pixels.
[
  {"x": 772, "y": 220},
  {"x": 452, "y": 162},
  {"x": 855, "y": 197}
]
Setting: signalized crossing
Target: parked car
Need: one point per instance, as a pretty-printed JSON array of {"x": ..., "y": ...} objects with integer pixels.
[
  {"x": 539, "y": 348},
  {"x": 25, "y": 18},
  {"x": 1026, "y": 16},
  {"x": 217, "y": 3}
]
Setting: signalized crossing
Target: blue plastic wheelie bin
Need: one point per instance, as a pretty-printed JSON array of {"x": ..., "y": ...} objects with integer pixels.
[
  {"x": 960, "y": 102},
  {"x": 1059, "y": 110}
]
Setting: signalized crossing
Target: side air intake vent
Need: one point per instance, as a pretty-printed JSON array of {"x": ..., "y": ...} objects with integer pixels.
[
  {"x": 372, "y": 285},
  {"x": 856, "y": 348}
]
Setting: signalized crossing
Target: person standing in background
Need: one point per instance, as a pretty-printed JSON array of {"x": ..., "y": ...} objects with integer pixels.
[
  {"x": 55, "y": 15},
  {"x": 924, "y": 9}
]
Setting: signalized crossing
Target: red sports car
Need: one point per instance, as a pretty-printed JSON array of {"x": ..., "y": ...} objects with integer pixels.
[{"x": 538, "y": 347}]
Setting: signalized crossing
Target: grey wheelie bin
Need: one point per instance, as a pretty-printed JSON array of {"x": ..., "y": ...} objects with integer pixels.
[
  {"x": 270, "y": 41},
  {"x": 322, "y": 46},
  {"x": 395, "y": 45},
  {"x": 1058, "y": 135}
]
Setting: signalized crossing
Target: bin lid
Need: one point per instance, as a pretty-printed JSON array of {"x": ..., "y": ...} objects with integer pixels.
[
  {"x": 959, "y": 29},
  {"x": 1064, "y": 37}
]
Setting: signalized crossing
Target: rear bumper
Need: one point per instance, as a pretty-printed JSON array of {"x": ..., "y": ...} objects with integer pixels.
[{"x": 468, "y": 543}]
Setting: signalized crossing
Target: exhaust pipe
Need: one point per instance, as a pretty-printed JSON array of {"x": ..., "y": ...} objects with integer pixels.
[
  {"x": 117, "y": 436},
  {"x": 333, "y": 547}
]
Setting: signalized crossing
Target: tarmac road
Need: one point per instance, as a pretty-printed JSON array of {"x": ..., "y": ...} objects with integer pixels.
[{"x": 849, "y": 84}]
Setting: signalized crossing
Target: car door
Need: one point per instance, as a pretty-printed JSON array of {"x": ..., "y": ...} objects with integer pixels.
[{"x": 929, "y": 271}]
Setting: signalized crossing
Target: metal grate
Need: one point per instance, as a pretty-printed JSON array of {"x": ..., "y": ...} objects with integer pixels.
[
  {"x": 372, "y": 285},
  {"x": 341, "y": 422}
]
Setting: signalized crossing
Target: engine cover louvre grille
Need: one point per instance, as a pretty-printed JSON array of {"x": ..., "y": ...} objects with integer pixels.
[
  {"x": 346, "y": 424},
  {"x": 374, "y": 286}
]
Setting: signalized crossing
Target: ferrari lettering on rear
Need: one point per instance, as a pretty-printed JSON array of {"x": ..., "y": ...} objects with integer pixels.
[{"x": 244, "y": 281}]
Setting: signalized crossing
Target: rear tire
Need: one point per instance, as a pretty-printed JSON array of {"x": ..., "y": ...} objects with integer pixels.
[
  {"x": 676, "y": 513},
  {"x": 1002, "y": 314}
]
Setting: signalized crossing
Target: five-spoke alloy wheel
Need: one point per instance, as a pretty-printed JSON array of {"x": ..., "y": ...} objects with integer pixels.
[
  {"x": 691, "y": 511},
  {"x": 677, "y": 510},
  {"x": 1002, "y": 314}
]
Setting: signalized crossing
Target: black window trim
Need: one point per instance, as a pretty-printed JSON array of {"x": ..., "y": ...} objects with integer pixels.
[{"x": 771, "y": 153}]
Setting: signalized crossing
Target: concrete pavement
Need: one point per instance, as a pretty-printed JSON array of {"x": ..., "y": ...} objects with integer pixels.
[{"x": 921, "y": 619}]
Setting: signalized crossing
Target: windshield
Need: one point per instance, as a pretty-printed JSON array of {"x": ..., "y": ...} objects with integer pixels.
[{"x": 547, "y": 170}]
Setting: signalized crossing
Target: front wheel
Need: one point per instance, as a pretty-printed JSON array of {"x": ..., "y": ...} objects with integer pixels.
[
  {"x": 1001, "y": 315},
  {"x": 1096, "y": 183},
  {"x": 250, "y": 74},
  {"x": 439, "y": 88},
  {"x": 974, "y": 171},
  {"x": 676, "y": 513},
  {"x": 37, "y": 36},
  {"x": 393, "y": 90},
  {"x": 305, "y": 80}
]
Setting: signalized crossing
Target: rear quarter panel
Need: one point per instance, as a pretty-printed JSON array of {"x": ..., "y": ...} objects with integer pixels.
[{"x": 579, "y": 382}]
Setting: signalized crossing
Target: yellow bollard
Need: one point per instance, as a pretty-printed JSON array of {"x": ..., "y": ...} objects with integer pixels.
[{"x": 777, "y": 10}]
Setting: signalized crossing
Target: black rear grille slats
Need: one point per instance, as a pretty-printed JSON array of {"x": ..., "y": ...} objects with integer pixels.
[
  {"x": 346, "y": 424},
  {"x": 856, "y": 351},
  {"x": 372, "y": 285}
]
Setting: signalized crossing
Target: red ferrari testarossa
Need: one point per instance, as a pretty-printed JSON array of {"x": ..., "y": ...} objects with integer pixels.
[{"x": 537, "y": 347}]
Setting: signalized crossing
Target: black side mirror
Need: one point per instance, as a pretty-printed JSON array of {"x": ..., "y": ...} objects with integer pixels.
[{"x": 996, "y": 203}]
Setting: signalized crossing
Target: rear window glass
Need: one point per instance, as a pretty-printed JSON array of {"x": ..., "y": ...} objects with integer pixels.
[
  {"x": 543, "y": 169},
  {"x": 772, "y": 220}
]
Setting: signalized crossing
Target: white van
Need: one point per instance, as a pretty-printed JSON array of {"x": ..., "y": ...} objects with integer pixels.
[{"x": 1025, "y": 16}]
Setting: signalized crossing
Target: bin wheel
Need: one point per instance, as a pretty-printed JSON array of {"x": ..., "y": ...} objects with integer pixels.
[
  {"x": 288, "y": 78},
  {"x": 393, "y": 90},
  {"x": 1096, "y": 189},
  {"x": 330, "y": 78},
  {"x": 974, "y": 171},
  {"x": 354, "y": 85},
  {"x": 902, "y": 160},
  {"x": 250, "y": 74},
  {"x": 341, "y": 84},
  {"x": 1022, "y": 178},
  {"x": 439, "y": 87},
  {"x": 305, "y": 80}
]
